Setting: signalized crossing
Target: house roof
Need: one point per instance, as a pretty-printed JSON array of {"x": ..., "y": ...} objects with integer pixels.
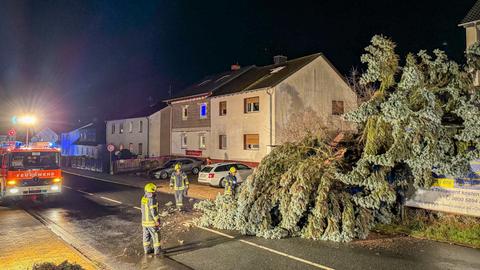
[
  {"x": 209, "y": 84},
  {"x": 473, "y": 14},
  {"x": 144, "y": 112},
  {"x": 266, "y": 76}
]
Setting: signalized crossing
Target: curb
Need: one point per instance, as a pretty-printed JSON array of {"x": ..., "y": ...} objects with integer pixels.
[
  {"x": 101, "y": 179},
  {"x": 122, "y": 184},
  {"x": 83, "y": 250}
]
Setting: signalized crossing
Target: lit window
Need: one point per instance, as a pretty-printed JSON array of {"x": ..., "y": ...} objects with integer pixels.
[
  {"x": 202, "y": 141},
  {"x": 185, "y": 112},
  {"x": 184, "y": 141},
  {"x": 141, "y": 127},
  {"x": 140, "y": 149},
  {"x": 113, "y": 128},
  {"x": 222, "y": 108},
  {"x": 121, "y": 128},
  {"x": 337, "y": 107},
  {"x": 251, "y": 141},
  {"x": 130, "y": 126},
  {"x": 203, "y": 110},
  {"x": 252, "y": 104},
  {"x": 222, "y": 142}
]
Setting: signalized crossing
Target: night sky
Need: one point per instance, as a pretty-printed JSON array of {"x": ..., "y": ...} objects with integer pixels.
[{"x": 71, "y": 61}]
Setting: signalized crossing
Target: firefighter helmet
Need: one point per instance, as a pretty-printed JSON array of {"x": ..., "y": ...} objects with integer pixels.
[
  {"x": 178, "y": 166},
  {"x": 150, "y": 187},
  {"x": 233, "y": 170}
]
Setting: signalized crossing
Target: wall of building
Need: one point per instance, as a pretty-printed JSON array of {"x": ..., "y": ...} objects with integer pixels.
[
  {"x": 193, "y": 142},
  {"x": 313, "y": 87},
  {"x": 473, "y": 35},
  {"x": 159, "y": 133},
  {"x": 134, "y": 137},
  {"x": 193, "y": 119},
  {"x": 236, "y": 124}
]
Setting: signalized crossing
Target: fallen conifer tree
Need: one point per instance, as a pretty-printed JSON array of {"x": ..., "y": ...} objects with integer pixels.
[{"x": 422, "y": 119}]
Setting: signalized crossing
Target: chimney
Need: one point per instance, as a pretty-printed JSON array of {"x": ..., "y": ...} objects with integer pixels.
[
  {"x": 279, "y": 59},
  {"x": 235, "y": 66}
]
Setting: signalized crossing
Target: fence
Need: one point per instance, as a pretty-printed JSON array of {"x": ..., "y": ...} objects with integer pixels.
[
  {"x": 84, "y": 163},
  {"x": 139, "y": 164}
]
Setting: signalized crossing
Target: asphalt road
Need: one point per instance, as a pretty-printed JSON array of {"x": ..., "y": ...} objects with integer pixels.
[{"x": 103, "y": 221}]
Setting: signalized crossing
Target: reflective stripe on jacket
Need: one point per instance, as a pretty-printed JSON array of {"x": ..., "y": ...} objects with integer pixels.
[
  {"x": 179, "y": 181},
  {"x": 149, "y": 211}
]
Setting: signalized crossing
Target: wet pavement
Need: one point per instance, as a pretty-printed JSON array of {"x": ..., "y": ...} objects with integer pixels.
[{"x": 104, "y": 220}]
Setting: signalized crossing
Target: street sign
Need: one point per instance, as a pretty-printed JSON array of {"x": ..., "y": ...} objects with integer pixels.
[
  {"x": 11, "y": 132},
  {"x": 111, "y": 148}
]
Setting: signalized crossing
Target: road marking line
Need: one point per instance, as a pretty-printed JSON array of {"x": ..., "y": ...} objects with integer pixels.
[
  {"x": 67, "y": 187},
  {"x": 269, "y": 249},
  {"x": 112, "y": 200},
  {"x": 287, "y": 255},
  {"x": 137, "y": 208},
  {"x": 84, "y": 192},
  {"x": 217, "y": 232}
]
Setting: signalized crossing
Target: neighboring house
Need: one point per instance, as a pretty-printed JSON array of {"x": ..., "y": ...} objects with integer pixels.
[
  {"x": 142, "y": 131},
  {"x": 249, "y": 115},
  {"x": 190, "y": 116},
  {"x": 84, "y": 147},
  {"x": 471, "y": 23},
  {"x": 45, "y": 135}
]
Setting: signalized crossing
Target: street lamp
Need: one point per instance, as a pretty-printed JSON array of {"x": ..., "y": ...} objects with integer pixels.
[{"x": 28, "y": 121}]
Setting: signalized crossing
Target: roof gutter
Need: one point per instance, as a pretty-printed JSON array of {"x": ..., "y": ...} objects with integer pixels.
[
  {"x": 469, "y": 23},
  {"x": 169, "y": 101}
]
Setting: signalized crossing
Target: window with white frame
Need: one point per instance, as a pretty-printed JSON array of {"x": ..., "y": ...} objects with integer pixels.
[
  {"x": 202, "y": 141},
  {"x": 140, "y": 129},
  {"x": 203, "y": 110},
  {"x": 184, "y": 140},
  {"x": 113, "y": 128},
  {"x": 130, "y": 126},
  {"x": 185, "y": 112},
  {"x": 120, "y": 128},
  {"x": 130, "y": 147},
  {"x": 222, "y": 142},
  {"x": 252, "y": 104},
  {"x": 251, "y": 141}
]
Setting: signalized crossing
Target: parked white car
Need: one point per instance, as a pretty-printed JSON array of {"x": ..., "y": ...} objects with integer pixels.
[{"x": 214, "y": 174}]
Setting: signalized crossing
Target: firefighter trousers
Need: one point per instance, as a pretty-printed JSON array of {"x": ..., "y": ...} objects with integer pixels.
[
  {"x": 179, "y": 198},
  {"x": 151, "y": 237}
]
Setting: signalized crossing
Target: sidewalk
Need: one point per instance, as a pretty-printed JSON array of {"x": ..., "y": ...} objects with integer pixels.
[
  {"x": 196, "y": 190},
  {"x": 25, "y": 241}
]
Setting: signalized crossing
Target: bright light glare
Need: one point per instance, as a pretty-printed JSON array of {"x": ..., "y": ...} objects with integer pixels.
[
  {"x": 14, "y": 190},
  {"x": 54, "y": 187},
  {"x": 27, "y": 120},
  {"x": 11, "y": 182}
]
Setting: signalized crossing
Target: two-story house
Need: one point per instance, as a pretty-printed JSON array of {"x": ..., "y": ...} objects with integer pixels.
[
  {"x": 141, "y": 132},
  {"x": 249, "y": 114},
  {"x": 190, "y": 114},
  {"x": 471, "y": 23}
]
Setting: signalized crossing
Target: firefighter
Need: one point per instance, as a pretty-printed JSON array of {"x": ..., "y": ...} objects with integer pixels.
[
  {"x": 150, "y": 220},
  {"x": 179, "y": 183},
  {"x": 231, "y": 182}
]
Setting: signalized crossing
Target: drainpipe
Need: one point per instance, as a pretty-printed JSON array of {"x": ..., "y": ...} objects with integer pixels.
[
  {"x": 270, "y": 94},
  {"x": 148, "y": 137}
]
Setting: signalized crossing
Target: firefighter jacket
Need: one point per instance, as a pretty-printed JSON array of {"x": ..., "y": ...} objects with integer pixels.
[
  {"x": 230, "y": 184},
  {"x": 149, "y": 211},
  {"x": 179, "y": 181}
]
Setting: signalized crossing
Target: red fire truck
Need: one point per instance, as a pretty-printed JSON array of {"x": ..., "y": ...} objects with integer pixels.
[{"x": 32, "y": 170}]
